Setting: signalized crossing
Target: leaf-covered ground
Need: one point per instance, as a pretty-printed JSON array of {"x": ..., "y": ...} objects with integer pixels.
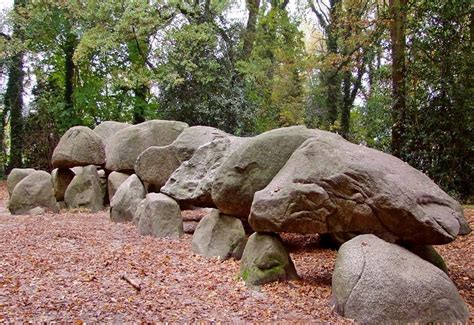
[{"x": 80, "y": 267}]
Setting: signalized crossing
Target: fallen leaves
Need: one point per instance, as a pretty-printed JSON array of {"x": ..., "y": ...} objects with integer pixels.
[{"x": 80, "y": 267}]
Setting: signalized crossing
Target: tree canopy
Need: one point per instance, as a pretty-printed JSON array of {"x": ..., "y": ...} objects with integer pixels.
[{"x": 394, "y": 75}]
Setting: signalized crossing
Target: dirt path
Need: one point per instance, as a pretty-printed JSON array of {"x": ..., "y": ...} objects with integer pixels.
[{"x": 75, "y": 267}]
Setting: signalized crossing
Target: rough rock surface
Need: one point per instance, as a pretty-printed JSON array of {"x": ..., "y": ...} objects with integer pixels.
[
  {"x": 114, "y": 181},
  {"x": 218, "y": 235},
  {"x": 189, "y": 227},
  {"x": 79, "y": 146},
  {"x": 126, "y": 145},
  {"x": 156, "y": 164},
  {"x": 84, "y": 191},
  {"x": 107, "y": 129},
  {"x": 265, "y": 259},
  {"x": 429, "y": 254},
  {"x": 333, "y": 186},
  {"x": 159, "y": 216},
  {"x": 61, "y": 177},
  {"x": 126, "y": 200},
  {"x": 376, "y": 282},
  {"x": 103, "y": 185},
  {"x": 35, "y": 190},
  {"x": 193, "y": 137},
  {"x": 253, "y": 165},
  {"x": 15, "y": 176},
  {"x": 192, "y": 182}
]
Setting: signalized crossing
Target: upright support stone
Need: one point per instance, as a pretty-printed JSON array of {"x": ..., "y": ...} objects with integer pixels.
[
  {"x": 159, "y": 216},
  {"x": 35, "y": 190},
  {"x": 114, "y": 181},
  {"x": 62, "y": 177},
  {"x": 376, "y": 282},
  {"x": 218, "y": 235},
  {"x": 15, "y": 177},
  {"x": 125, "y": 202},
  {"x": 265, "y": 259},
  {"x": 84, "y": 191}
]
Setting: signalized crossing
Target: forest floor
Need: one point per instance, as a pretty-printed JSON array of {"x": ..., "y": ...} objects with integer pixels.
[{"x": 80, "y": 267}]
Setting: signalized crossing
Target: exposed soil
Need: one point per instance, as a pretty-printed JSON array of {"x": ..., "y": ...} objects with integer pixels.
[{"x": 80, "y": 267}]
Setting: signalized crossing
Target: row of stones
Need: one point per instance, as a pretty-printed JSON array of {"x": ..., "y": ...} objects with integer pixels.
[{"x": 411, "y": 289}]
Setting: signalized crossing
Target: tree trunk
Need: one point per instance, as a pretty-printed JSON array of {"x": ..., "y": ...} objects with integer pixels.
[
  {"x": 3, "y": 153},
  {"x": 137, "y": 52},
  {"x": 250, "y": 31},
  {"x": 141, "y": 94},
  {"x": 334, "y": 80},
  {"x": 397, "y": 34},
  {"x": 14, "y": 100},
  {"x": 346, "y": 105},
  {"x": 69, "y": 70}
]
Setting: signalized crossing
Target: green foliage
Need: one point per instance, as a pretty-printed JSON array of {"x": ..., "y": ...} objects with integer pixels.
[
  {"x": 274, "y": 73},
  {"x": 185, "y": 60},
  {"x": 440, "y": 137},
  {"x": 199, "y": 84}
]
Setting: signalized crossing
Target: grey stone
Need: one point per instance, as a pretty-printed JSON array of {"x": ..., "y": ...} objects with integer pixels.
[
  {"x": 15, "y": 176},
  {"x": 35, "y": 190},
  {"x": 126, "y": 145},
  {"x": 159, "y": 216},
  {"x": 220, "y": 236},
  {"x": 114, "y": 181},
  {"x": 37, "y": 211},
  {"x": 79, "y": 146},
  {"x": 125, "y": 202},
  {"x": 375, "y": 282},
  {"x": 429, "y": 254},
  {"x": 265, "y": 259},
  {"x": 77, "y": 170},
  {"x": 107, "y": 129},
  {"x": 84, "y": 191},
  {"x": 193, "y": 137},
  {"x": 191, "y": 183},
  {"x": 103, "y": 185},
  {"x": 333, "y": 186},
  {"x": 189, "y": 227},
  {"x": 156, "y": 164},
  {"x": 253, "y": 165},
  {"x": 61, "y": 177}
]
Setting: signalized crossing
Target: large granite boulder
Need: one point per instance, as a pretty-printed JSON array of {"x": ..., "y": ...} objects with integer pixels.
[
  {"x": 15, "y": 177},
  {"x": 33, "y": 191},
  {"x": 125, "y": 202},
  {"x": 265, "y": 259},
  {"x": 429, "y": 254},
  {"x": 376, "y": 282},
  {"x": 253, "y": 165},
  {"x": 114, "y": 181},
  {"x": 333, "y": 186},
  {"x": 126, "y": 145},
  {"x": 84, "y": 191},
  {"x": 156, "y": 164},
  {"x": 191, "y": 182},
  {"x": 79, "y": 146},
  {"x": 218, "y": 235},
  {"x": 107, "y": 129},
  {"x": 159, "y": 215},
  {"x": 61, "y": 177}
]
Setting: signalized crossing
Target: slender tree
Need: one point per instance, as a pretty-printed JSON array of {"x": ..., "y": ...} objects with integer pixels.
[
  {"x": 398, "y": 48},
  {"x": 14, "y": 97},
  {"x": 250, "y": 31}
]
